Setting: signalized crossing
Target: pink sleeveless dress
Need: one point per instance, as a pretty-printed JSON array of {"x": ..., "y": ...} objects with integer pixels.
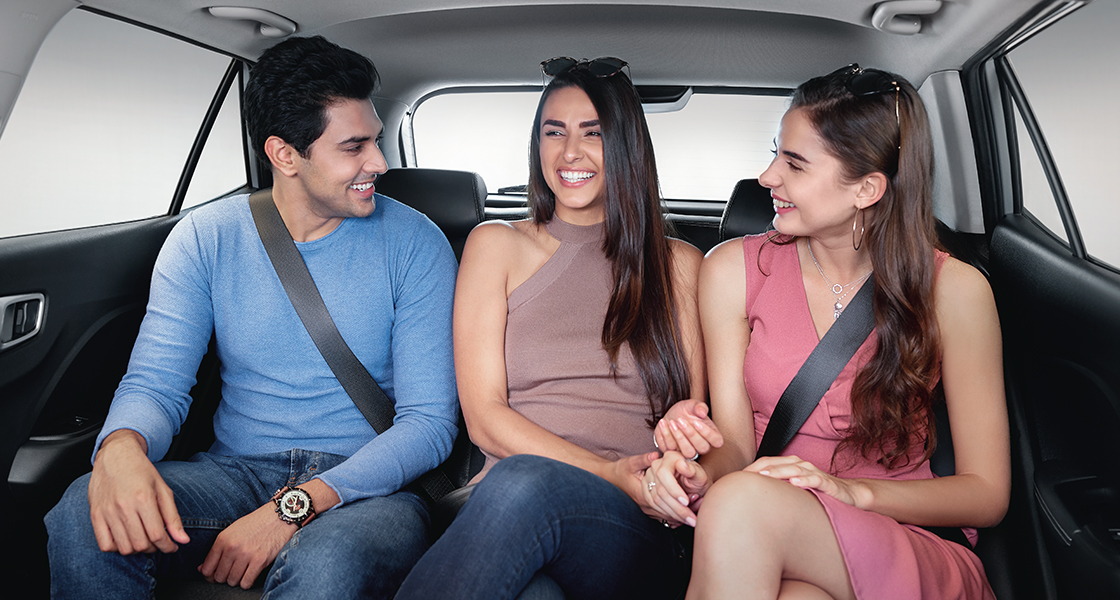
[{"x": 885, "y": 560}]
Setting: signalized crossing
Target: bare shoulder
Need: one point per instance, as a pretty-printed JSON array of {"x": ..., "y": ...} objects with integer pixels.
[
  {"x": 725, "y": 257},
  {"x": 495, "y": 231},
  {"x": 960, "y": 284},
  {"x": 686, "y": 257},
  {"x": 962, "y": 296},
  {"x": 498, "y": 238}
]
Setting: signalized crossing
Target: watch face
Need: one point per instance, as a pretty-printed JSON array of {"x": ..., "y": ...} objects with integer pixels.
[{"x": 294, "y": 506}]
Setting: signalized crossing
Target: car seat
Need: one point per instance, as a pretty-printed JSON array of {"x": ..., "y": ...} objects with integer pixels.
[
  {"x": 749, "y": 211},
  {"x": 453, "y": 200}
]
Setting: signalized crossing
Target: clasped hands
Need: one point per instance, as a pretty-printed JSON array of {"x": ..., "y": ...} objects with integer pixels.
[{"x": 674, "y": 484}]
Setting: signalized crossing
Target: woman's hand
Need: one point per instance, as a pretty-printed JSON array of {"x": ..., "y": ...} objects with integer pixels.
[
  {"x": 675, "y": 486},
  {"x": 806, "y": 475},
  {"x": 687, "y": 429},
  {"x": 626, "y": 474}
]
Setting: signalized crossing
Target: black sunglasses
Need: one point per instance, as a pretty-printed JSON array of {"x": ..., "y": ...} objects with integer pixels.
[
  {"x": 605, "y": 66},
  {"x": 869, "y": 82}
]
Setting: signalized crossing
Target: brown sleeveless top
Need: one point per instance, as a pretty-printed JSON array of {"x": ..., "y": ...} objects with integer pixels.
[{"x": 556, "y": 368}]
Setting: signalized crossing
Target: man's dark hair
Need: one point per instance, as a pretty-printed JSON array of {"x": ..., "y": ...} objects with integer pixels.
[{"x": 292, "y": 85}]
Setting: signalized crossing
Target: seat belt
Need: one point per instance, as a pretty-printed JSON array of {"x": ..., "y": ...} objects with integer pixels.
[
  {"x": 816, "y": 375},
  {"x": 363, "y": 390}
]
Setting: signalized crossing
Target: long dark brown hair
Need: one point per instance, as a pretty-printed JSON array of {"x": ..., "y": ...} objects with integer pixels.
[
  {"x": 892, "y": 396},
  {"x": 642, "y": 309}
]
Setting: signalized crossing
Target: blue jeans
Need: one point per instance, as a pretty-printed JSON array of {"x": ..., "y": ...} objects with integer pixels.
[
  {"x": 360, "y": 549},
  {"x": 532, "y": 516}
]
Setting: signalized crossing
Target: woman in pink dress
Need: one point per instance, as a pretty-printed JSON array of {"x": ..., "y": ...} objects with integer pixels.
[{"x": 841, "y": 512}]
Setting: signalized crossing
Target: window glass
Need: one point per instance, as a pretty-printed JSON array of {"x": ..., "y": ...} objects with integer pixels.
[
  {"x": 221, "y": 168},
  {"x": 103, "y": 126},
  {"x": 1037, "y": 197},
  {"x": 1067, "y": 73},
  {"x": 499, "y": 152},
  {"x": 702, "y": 150}
]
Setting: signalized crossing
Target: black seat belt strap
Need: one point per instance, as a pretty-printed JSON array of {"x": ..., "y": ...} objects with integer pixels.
[
  {"x": 363, "y": 390},
  {"x": 822, "y": 367}
]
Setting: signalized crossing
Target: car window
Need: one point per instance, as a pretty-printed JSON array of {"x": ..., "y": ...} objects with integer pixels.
[
  {"x": 702, "y": 149},
  {"x": 1078, "y": 117},
  {"x": 104, "y": 124},
  {"x": 221, "y": 168},
  {"x": 1038, "y": 199}
]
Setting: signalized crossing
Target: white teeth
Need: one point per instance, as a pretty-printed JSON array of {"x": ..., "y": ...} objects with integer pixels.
[
  {"x": 361, "y": 187},
  {"x": 575, "y": 176},
  {"x": 782, "y": 204}
]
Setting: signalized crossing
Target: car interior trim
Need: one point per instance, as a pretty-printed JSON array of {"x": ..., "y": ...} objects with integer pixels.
[{"x": 956, "y": 181}]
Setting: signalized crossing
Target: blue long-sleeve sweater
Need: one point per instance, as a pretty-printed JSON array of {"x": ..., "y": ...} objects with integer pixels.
[{"x": 388, "y": 282}]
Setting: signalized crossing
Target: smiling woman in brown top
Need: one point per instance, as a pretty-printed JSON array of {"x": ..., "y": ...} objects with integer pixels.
[{"x": 575, "y": 330}]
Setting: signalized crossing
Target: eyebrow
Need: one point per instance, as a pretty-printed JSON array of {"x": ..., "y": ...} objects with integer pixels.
[
  {"x": 358, "y": 139},
  {"x": 583, "y": 124},
  {"x": 795, "y": 156}
]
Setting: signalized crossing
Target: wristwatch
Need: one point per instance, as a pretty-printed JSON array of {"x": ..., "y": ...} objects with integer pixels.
[{"x": 294, "y": 506}]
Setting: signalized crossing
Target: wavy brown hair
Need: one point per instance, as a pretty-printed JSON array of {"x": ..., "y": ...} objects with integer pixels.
[
  {"x": 892, "y": 396},
  {"x": 642, "y": 310}
]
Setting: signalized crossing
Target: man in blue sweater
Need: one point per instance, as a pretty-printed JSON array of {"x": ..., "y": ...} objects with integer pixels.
[{"x": 386, "y": 274}]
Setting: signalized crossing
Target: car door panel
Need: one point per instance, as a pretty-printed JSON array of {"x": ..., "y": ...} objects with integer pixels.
[
  {"x": 56, "y": 387},
  {"x": 1061, "y": 319}
]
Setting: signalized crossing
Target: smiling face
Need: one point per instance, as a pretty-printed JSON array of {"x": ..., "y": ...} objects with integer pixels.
[
  {"x": 338, "y": 173},
  {"x": 810, "y": 196},
  {"x": 571, "y": 154}
]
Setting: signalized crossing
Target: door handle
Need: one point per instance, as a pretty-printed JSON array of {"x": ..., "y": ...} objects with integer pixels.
[{"x": 21, "y": 318}]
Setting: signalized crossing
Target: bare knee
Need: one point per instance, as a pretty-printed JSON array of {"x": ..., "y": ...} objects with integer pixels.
[{"x": 742, "y": 494}]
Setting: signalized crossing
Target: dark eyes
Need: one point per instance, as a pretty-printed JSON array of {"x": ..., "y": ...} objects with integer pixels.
[{"x": 559, "y": 133}]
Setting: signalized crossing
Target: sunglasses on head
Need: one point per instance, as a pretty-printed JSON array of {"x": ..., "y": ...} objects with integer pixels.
[
  {"x": 869, "y": 82},
  {"x": 605, "y": 66}
]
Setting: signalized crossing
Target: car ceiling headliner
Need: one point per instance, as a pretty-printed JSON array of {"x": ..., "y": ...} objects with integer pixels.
[{"x": 423, "y": 45}]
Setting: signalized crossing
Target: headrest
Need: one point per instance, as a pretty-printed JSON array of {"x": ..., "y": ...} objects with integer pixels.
[
  {"x": 453, "y": 200},
  {"x": 749, "y": 211}
]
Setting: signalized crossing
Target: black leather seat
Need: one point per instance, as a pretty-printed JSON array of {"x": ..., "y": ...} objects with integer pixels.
[
  {"x": 749, "y": 211},
  {"x": 453, "y": 200}
]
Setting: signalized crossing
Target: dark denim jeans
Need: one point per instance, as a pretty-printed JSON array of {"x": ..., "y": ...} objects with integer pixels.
[
  {"x": 362, "y": 549},
  {"x": 533, "y": 515}
]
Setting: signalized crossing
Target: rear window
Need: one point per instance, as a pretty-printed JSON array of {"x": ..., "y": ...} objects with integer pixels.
[{"x": 702, "y": 150}]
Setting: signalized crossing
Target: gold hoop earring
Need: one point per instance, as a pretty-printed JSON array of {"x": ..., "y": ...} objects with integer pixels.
[{"x": 856, "y": 244}]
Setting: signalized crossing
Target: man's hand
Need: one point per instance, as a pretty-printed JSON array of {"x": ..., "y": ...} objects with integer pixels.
[
  {"x": 131, "y": 507},
  {"x": 246, "y": 548}
]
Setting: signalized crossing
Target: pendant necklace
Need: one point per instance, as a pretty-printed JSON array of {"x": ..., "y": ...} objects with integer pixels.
[{"x": 840, "y": 291}]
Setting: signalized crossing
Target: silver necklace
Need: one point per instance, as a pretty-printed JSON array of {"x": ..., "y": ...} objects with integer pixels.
[{"x": 840, "y": 291}]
